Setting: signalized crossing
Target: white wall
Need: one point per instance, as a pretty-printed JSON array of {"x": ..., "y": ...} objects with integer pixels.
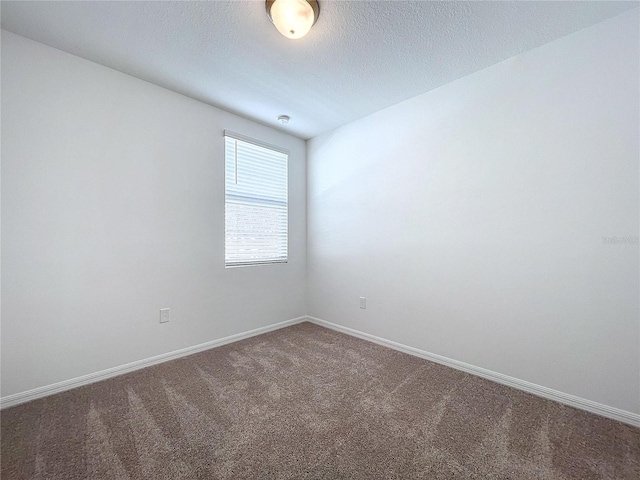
[
  {"x": 472, "y": 218},
  {"x": 112, "y": 208}
]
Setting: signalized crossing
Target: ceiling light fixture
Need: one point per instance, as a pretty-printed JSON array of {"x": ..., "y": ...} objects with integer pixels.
[
  {"x": 284, "y": 119},
  {"x": 293, "y": 18}
]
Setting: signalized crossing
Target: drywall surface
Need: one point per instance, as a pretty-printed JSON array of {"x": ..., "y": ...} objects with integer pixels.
[
  {"x": 494, "y": 220},
  {"x": 113, "y": 208}
]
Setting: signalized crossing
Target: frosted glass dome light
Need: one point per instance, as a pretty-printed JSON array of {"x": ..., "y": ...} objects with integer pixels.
[{"x": 293, "y": 18}]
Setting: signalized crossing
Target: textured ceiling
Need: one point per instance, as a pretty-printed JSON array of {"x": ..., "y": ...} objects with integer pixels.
[{"x": 360, "y": 56}]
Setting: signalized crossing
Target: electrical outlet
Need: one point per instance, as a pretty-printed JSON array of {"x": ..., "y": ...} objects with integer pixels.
[
  {"x": 363, "y": 302},
  {"x": 164, "y": 315}
]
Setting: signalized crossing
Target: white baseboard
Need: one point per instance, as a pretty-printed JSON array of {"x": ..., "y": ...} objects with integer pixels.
[
  {"x": 22, "y": 397},
  {"x": 565, "y": 398}
]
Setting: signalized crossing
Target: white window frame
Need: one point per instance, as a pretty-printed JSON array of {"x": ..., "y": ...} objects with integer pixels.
[{"x": 264, "y": 204}]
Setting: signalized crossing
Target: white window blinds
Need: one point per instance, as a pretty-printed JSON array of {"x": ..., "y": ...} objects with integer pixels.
[{"x": 256, "y": 206}]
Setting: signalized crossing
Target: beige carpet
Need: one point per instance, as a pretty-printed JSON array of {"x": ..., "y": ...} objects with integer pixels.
[{"x": 309, "y": 403}]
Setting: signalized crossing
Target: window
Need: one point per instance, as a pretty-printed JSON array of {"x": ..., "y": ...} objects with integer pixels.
[{"x": 256, "y": 203}]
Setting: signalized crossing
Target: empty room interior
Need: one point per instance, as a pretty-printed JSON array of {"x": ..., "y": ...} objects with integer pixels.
[{"x": 302, "y": 239}]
